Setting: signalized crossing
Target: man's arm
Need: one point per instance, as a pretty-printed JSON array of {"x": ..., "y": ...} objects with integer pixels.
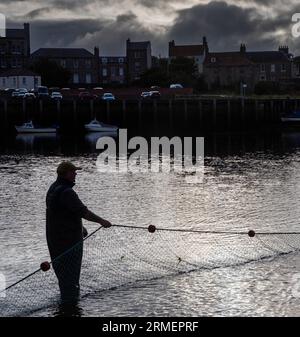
[{"x": 90, "y": 216}]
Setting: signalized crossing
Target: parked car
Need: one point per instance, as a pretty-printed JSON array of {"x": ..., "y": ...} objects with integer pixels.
[
  {"x": 176, "y": 86},
  {"x": 19, "y": 92},
  {"x": 145, "y": 94},
  {"x": 42, "y": 92},
  {"x": 85, "y": 95},
  {"x": 154, "y": 87},
  {"x": 56, "y": 95},
  {"x": 29, "y": 95},
  {"x": 15, "y": 93},
  {"x": 108, "y": 96},
  {"x": 155, "y": 94}
]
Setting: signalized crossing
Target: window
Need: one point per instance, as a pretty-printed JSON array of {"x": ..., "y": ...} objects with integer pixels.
[
  {"x": 88, "y": 63},
  {"x": 283, "y": 67},
  {"x": 137, "y": 65},
  {"x": 104, "y": 60},
  {"x": 3, "y": 82},
  {"x": 63, "y": 63},
  {"x": 88, "y": 78},
  {"x": 262, "y": 68},
  {"x": 137, "y": 54},
  {"x": 113, "y": 71},
  {"x": 13, "y": 63},
  {"x": 24, "y": 80},
  {"x": 104, "y": 72},
  {"x": 213, "y": 60},
  {"x": 14, "y": 82},
  {"x": 75, "y": 63},
  {"x": 273, "y": 68},
  {"x": 121, "y": 72},
  {"x": 19, "y": 63},
  {"x": 75, "y": 78},
  {"x": 262, "y": 78},
  {"x": 36, "y": 81},
  {"x": 121, "y": 60}
]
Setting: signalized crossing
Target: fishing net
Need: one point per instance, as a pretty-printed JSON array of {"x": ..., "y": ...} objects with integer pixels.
[{"x": 123, "y": 255}]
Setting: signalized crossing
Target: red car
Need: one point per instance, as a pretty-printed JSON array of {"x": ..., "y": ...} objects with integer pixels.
[{"x": 86, "y": 96}]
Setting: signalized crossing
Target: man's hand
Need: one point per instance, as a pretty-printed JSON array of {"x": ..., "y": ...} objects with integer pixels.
[
  {"x": 90, "y": 216},
  {"x": 105, "y": 223}
]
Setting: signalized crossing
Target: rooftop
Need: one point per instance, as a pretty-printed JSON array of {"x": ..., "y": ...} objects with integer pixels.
[
  {"x": 62, "y": 53},
  {"x": 186, "y": 50},
  {"x": 17, "y": 72}
]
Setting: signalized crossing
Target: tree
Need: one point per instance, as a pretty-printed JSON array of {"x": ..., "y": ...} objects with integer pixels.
[
  {"x": 52, "y": 74},
  {"x": 154, "y": 76},
  {"x": 183, "y": 70}
]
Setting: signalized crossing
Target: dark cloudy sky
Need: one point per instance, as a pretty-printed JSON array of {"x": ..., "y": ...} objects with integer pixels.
[{"x": 261, "y": 24}]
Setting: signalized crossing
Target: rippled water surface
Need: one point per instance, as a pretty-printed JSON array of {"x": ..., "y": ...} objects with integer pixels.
[{"x": 250, "y": 182}]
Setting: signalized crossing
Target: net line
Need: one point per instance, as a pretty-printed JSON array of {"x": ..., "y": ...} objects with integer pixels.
[{"x": 122, "y": 255}]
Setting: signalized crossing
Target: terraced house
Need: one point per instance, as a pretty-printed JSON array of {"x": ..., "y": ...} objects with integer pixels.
[
  {"x": 15, "y": 48},
  {"x": 231, "y": 69},
  {"x": 82, "y": 64},
  {"x": 113, "y": 69}
]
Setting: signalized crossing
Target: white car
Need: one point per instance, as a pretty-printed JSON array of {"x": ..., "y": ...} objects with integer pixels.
[
  {"x": 145, "y": 94},
  {"x": 29, "y": 95},
  {"x": 56, "y": 95},
  {"x": 108, "y": 96},
  {"x": 176, "y": 86},
  {"x": 19, "y": 92}
]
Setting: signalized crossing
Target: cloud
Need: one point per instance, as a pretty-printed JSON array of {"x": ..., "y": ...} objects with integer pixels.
[
  {"x": 108, "y": 23},
  {"x": 227, "y": 25}
]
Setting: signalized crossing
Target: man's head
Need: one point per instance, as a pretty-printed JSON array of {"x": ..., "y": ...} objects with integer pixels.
[{"x": 67, "y": 170}]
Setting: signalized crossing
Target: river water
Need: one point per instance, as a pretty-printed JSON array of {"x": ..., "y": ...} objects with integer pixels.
[{"x": 251, "y": 181}]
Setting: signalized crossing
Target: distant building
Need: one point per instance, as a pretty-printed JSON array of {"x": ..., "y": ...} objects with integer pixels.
[
  {"x": 82, "y": 64},
  {"x": 113, "y": 69},
  {"x": 139, "y": 59},
  {"x": 272, "y": 65},
  {"x": 196, "y": 52},
  {"x": 15, "y": 48},
  {"x": 231, "y": 69},
  {"x": 296, "y": 67},
  {"x": 19, "y": 78}
]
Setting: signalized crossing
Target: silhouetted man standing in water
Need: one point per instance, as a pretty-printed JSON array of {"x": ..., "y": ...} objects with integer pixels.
[{"x": 65, "y": 231}]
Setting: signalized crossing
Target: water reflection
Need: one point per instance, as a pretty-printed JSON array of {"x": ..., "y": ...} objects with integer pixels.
[
  {"x": 222, "y": 144},
  {"x": 68, "y": 310}
]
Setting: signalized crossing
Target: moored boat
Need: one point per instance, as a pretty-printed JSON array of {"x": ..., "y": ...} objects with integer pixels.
[
  {"x": 30, "y": 128},
  {"x": 291, "y": 117},
  {"x": 96, "y": 126}
]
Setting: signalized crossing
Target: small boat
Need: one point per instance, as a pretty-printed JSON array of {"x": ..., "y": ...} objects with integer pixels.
[
  {"x": 96, "y": 126},
  {"x": 291, "y": 117},
  {"x": 30, "y": 128}
]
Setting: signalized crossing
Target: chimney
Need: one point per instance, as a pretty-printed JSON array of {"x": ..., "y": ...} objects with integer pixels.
[
  {"x": 205, "y": 45},
  {"x": 27, "y": 37},
  {"x": 284, "y": 49},
  {"x": 171, "y": 46},
  {"x": 96, "y": 51},
  {"x": 243, "y": 48}
]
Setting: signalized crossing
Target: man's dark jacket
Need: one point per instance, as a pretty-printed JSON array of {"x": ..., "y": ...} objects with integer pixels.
[{"x": 63, "y": 217}]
